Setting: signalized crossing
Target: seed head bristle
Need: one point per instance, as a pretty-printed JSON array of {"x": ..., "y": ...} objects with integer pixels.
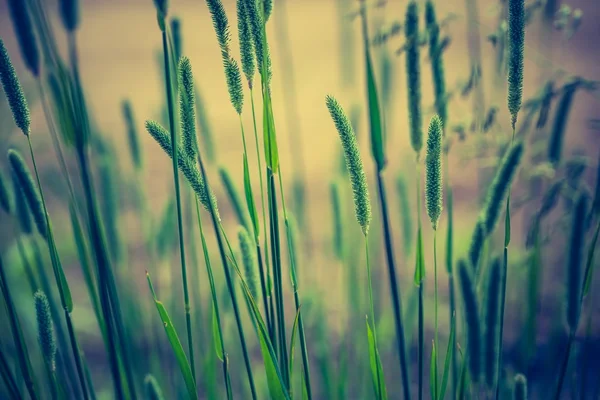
[
  {"x": 132, "y": 134},
  {"x": 30, "y": 190},
  {"x": 516, "y": 48},
  {"x": 362, "y": 204},
  {"x": 557, "y": 135},
  {"x": 13, "y": 91},
  {"x": 246, "y": 45},
  {"x": 234, "y": 84},
  {"x": 221, "y": 25},
  {"x": 476, "y": 245},
  {"x": 492, "y": 311},
  {"x": 187, "y": 108},
  {"x": 6, "y": 197},
  {"x": 263, "y": 57},
  {"x": 413, "y": 75},
  {"x": 152, "y": 389},
  {"x": 21, "y": 208},
  {"x": 500, "y": 186},
  {"x": 19, "y": 14},
  {"x": 437, "y": 62},
  {"x": 467, "y": 288},
  {"x": 520, "y": 390},
  {"x": 433, "y": 171},
  {"x": 249, "y": 261},
  {"x": 45, "y": 329},
  {"x": 69, "y": 14},
  {"x": 177, "y": 37},
  {"x": 186, "y": 165},
  {"x": 577, "y": 243}
]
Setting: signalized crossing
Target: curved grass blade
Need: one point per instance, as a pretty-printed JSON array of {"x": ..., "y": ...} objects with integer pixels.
[
  {"x": 449, "y": 354},
  {"x": 433, "y": 372},
  {"x": 274, "y": 377},
  {"x": 250, "y": 198},
  {"x": 376, "y": 367},
  {"x": 218, "y": 340},
  {"x": 292, "y": 348},
  {"x": 175, "y": 344},
  {"x": 589, "y": 264}
]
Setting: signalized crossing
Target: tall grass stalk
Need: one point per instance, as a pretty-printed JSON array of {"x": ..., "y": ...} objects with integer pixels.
[
  {"x": 174, "y": 142},
  {"x": 378, "y": 153}
]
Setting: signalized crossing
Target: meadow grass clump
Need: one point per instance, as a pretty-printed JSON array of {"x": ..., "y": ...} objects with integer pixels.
[
  {"x": 358, "y": 179},
  {"x": 471, "y": 310},
  {"x": 19, "y": 14},
  {"x": 32, "y": 195},
  {"x": 516, "y": 48},
  {"x": 13, "y": 91}
]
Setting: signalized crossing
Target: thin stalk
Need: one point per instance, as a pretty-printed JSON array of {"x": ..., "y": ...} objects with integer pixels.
[
  {"x": 26, "y": 265},
  {"x": 421, "y": 294},
  {"x": 109, "y": 299},
  {"x": 264, "y": 271},
  {"x": 213, "y": 292},
  {"x": 421, "y": 342},
  {"x": 563, "y": 366},
  {"x": 52, "y": 249},
  {"x": 174, "y": 140},
  {"x": 372, "y": 306},
  {"x": 303, "y": 347},
  {"x": 396, "y": 301},
  {"x": 217, "y": 227},
  {"x": 277, "y": 275},
  {"x": 435, "y": 297}
]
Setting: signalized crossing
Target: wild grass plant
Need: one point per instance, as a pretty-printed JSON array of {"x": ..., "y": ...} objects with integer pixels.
[{"x": 235, "y": 331}]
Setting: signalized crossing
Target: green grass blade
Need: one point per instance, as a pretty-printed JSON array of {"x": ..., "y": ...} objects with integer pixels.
[
  {"x": 419, "y": 263},
  {"x": 449, "y": 354},
  {"x": 589, "y": 265},
  {"x": 376, "y": 367},
  {"x": 292, "y": 348},
  {"x": 269, "y": 136},
  {"x": 274, "y": 377},
  {"x": 218, "y": 340},
  {"x": 433, "y": 372},
  {"x": 175, "y": 344},
  {"x": 250, "y": 198}
]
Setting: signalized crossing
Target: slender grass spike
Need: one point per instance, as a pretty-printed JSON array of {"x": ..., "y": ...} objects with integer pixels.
[
  {"x": 69, "y": 14},
  {"x": 362, "y": 204},
  {"x": 45, "y": 329},
  {"x": 187, "y": 107},
  {"x": 413, "y": 75},
  {"x": 13, "y": 91},
  {"x": 433, "y": 171},
  {"x": 19, "y": 14},
  {"x": 516, "y": 46}
]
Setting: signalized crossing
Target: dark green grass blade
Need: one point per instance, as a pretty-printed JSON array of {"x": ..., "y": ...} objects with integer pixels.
[
  {"x": 447, "y": 361},
  {"x": 589, "y": 264},
  {"x": 376, "y": 366},
  {"x": 182, "y": 361}
]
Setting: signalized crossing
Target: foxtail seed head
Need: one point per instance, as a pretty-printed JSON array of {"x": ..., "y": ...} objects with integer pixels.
[
  {"x": 186, "y": 165},
  {"x": 557, "y": 135},
  {"x": 30, "y": 190},
  {"x": 234, "y": 84},
  {"x": 6, "y": 197},
  {"x": 577, "y": 243},
  {"x": 433, "y": 171},
  {"x": 45, "y": 329},
  {"x": 520, "y": 391},
  {"x": 19, "y": 14},
  {"x": 516, "y": 48},
  {"x": 246, "y": 46},
  {"x": 268, "y": 8},
  {"x": 21, "y": 208},
  {"x": 413, "y": 75},
  {"x": 501, "y": 185},
  {"x": 249, "y": 261},
  {"x": 13, "y": 91},
  {"x": 221, "y": 25},
  {"x": 187, "y": 108},
  {"x": 476, "y": 245},
  {"x": 132, "y": 134},
  {"x": 437, "y": 62},
  {"x": 362, "y": 204},
  {"x": 69, "y": 14}
]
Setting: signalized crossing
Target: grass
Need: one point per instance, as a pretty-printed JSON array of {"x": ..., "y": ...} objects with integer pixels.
[{"x": 240, "y": 327}]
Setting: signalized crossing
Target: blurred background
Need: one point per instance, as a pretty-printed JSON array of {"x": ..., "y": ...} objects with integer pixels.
[{"x": 317, "y": 50}]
